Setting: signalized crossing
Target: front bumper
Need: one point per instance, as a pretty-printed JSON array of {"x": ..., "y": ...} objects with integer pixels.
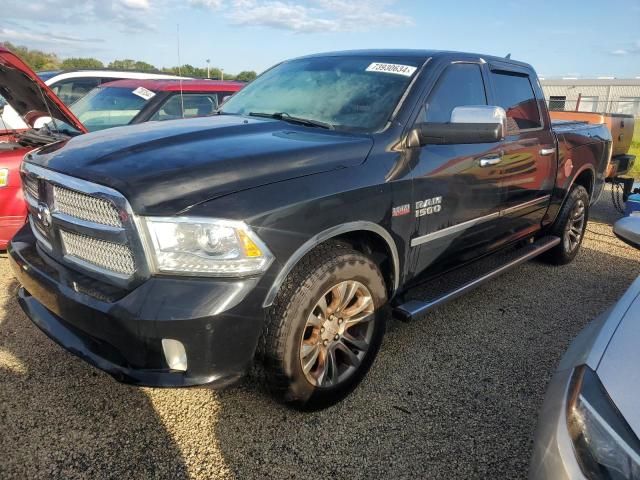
[{"x": 219, "y": 321}]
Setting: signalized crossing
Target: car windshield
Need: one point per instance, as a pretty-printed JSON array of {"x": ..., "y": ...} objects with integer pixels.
[
  {"x": 355, "y": 93},
  {"x": 106, "y": 107}
]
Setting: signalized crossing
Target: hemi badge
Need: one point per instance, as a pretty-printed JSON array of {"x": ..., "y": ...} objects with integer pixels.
[{"x": 401, "y": 210}]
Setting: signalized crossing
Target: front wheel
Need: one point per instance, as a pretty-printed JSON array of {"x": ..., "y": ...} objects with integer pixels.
[
  {"x": 325, "y": 327},
  {"x": 570, "y": 227}
]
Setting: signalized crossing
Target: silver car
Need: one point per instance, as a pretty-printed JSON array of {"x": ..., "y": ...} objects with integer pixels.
[{"x": 590, "y": 421}]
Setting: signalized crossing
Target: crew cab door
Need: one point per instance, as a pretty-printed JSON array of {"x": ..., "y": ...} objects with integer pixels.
[
  {"x": 528, "y": 165},
  {"x": 456, "y": 191}
]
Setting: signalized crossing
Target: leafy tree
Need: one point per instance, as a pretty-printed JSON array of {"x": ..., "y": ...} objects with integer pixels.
[
  {"x": 246, "y": 76},
  {"x": 128, "y": 64},
  {"x": 77, "y": 63},
  {"x": 36, "y": 59}
]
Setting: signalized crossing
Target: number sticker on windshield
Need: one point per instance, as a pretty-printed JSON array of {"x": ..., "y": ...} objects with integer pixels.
[
  {"x": 406, "y": 70},
  {"x": 144, "y": 93}
]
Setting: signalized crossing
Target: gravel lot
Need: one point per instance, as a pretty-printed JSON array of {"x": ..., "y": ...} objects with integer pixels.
[{"x": 454, "y": 395}]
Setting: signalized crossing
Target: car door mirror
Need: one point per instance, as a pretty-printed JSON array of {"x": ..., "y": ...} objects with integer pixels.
[
  {"x": 469, "y": 124},
  {"x": 627, "y": 229}
]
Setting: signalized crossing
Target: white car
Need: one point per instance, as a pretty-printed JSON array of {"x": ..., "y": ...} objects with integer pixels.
[{"x": 70, "y": 86}]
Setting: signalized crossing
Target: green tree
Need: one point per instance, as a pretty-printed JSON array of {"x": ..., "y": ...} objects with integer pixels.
[
  {"x": 246, "y": 76},
  {"x": 36, "y": 59},
  {"x": 76, "y": 63},
  {"x": 129, "y": 64}
]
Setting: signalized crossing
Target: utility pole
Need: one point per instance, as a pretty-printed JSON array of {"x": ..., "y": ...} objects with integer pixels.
[
  {"x": 222, "y": 74},
  {"x": 208, "y": 62}
]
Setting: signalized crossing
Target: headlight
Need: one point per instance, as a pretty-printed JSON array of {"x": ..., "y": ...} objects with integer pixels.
[
  {"x": 605, "y": 445},
  {"x": 4, "y": 177},
  {"x": 205, "y": 246}
]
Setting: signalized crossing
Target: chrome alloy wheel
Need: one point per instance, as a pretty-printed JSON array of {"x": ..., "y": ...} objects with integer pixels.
[
  {"x": 337, "y": 334},
  {"x": 575, "y": 227}
]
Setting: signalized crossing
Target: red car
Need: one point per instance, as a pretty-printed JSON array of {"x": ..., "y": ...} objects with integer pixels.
[{"x": 113, "y": 104}]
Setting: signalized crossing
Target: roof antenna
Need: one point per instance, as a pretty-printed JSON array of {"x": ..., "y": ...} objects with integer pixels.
[
  {"x": 508, "y": 56},
  {"x": 180, "y": 71}
]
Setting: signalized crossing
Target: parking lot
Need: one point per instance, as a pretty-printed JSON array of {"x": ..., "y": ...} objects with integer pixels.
[{"x": 454, "y": 395}]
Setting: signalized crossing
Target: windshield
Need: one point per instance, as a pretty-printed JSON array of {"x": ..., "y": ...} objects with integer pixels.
[
  {"x": 106, "y": 107},
  {"x": 349, "y": 93}
]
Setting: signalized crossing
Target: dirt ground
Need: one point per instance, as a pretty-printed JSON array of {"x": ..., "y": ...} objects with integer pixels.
[{"x": 454, "y": 395}]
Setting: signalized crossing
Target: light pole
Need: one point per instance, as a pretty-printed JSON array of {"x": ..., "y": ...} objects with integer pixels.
[
  {"x": 208, "y": 62},
  {"x": 222, "y": 74}
]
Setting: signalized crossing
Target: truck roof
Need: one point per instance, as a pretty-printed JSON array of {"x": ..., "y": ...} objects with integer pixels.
[{"x": 413, "y": 53}]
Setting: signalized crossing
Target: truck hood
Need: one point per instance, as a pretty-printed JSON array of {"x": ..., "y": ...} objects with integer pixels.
[
  {"x": 28, "y": 95},
  {"x": 618, "y": 369},
  {"x": 164, "y": 168}
]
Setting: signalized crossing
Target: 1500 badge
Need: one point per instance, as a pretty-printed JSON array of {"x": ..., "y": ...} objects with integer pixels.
[{"x": 428, "y": 206}]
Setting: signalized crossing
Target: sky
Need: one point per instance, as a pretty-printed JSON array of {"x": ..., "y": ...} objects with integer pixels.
[{"x": 584, "y": 38}]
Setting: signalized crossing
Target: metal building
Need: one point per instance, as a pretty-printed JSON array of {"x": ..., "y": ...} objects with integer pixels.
[{"x": 603, "y": 94}]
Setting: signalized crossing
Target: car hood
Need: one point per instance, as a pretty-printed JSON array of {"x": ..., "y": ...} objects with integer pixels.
[
  {"x": 618, "y": 368},
  {"x": 27, "y": 94},
  {"x": 164, "y": 168}
]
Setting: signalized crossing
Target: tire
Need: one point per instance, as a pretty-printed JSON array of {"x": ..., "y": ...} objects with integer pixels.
[
  {"x": 299, "y": 327},
  {"x": 569, "y": 227}
]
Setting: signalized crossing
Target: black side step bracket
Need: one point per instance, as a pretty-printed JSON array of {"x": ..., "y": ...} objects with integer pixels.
[{"x": 424, "y": 297}]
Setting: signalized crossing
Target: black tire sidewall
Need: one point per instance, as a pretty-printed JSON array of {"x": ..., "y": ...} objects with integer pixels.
[
  {"x": 351, "y": 266},
  {"x": 560, "y": 255}
]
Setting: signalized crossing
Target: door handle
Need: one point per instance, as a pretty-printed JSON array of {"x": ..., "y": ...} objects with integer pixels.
[
  {"x": 490, "y": 161},
  {"x": 547, "y": 151}
]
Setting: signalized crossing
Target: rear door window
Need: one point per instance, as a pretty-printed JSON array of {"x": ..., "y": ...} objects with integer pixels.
[{"x": 515, "y": 94}]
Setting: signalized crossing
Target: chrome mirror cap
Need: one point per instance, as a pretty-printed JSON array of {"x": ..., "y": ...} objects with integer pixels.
[{"x": 480, "y": 114}]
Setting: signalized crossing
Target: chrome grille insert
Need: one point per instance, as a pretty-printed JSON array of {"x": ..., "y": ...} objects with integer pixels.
[
  {"x": 110, "y": 256},
  {"x": 31, "y": 187},
  {"x": 85, "y": 207},
  {"x": 87, "y": 226}
]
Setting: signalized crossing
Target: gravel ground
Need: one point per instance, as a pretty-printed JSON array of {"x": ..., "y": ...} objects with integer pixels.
[{"x": 454, "y": 395}]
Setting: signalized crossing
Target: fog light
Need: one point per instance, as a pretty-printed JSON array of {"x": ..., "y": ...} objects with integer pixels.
[{"x": 174, "y": 354}]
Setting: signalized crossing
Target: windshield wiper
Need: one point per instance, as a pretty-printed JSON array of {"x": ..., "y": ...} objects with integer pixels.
[{"x": 284, "y": 116}]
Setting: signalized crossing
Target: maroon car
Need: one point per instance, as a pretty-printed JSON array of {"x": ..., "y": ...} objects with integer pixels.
[{"x": 127, "y": 102}]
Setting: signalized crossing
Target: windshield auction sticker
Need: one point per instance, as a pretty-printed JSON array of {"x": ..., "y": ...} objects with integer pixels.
[
  {"x": 405, "y": 70},
  {"x": 144, "y": 93}
]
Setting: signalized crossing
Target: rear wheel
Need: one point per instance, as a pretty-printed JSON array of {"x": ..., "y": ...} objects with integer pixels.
[
  {"x": 325, "y": 327},
  {"x": 570, "y": 227}
]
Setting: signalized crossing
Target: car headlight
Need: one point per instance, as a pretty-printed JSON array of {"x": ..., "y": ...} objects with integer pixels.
[
  {"x": 605, "y": 445},
  {"x": 205, "y": 246},
  {"x": 4, "y": 177}
]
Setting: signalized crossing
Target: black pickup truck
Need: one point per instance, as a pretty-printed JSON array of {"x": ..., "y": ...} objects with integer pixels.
[{"x": 333, "y": 192}]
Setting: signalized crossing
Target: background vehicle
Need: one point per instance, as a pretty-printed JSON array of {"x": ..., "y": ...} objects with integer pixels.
[
  {"x": 286, "y": 228},
  {"x": 590, "y": 421},
  {"x": 127, "y": 102},
  {"x": 70, "y": 86},
  {"x": 31, "y": 101},
  {"x": 622, "y": 127}
]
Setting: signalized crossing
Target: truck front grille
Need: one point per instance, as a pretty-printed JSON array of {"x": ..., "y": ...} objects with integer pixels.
[
  {"x": 87, "y": 226},
  {"x": 109, "y": 256},
  {"x": 31, "y": 187},
  {"x": 85, "y": 207}
]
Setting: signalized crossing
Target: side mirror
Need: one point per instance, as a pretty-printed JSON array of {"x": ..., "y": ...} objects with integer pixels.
[
  {"x": 627, "y": 229},
  {"x": 472, "y": 124}
]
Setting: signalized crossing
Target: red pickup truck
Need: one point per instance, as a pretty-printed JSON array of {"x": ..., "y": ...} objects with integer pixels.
[{"x": 119, "y": 103}]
